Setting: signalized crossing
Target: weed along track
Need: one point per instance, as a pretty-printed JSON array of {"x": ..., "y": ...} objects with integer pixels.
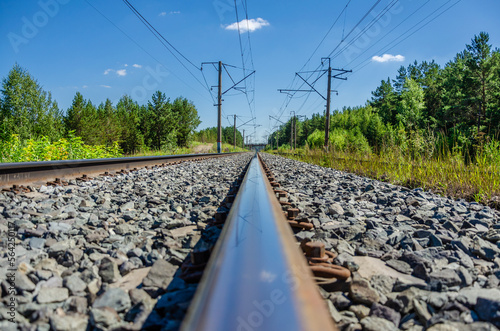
[{"x": 209, "y": 245}]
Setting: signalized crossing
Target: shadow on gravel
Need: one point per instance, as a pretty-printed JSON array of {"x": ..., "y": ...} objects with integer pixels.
[{"x": 173, "y": 302}]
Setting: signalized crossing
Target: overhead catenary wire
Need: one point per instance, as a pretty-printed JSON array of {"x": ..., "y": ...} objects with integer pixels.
[
  {"x": 338, "y": 45},
  {"x": 164, "y": 42},
  {"x": 142, "y": 48},
  {"x": 250, "y": 101},
  {"x": 389, "y": 46}
]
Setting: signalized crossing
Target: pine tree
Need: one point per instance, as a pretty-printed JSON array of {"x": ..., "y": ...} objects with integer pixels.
[
  {"x": 187, "y": 120},
  {"x": 27, "y": 110}
]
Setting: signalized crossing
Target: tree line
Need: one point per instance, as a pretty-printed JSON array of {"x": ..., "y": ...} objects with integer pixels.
[
  {"x": 209, "y": 135},
  {"x": 425, "y": 109},
  {"x": 29, "y": 112}
]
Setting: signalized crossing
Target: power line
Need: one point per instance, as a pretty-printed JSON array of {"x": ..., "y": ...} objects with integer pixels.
[
  {"x": 163, "y": 40},
  {"x": 338, "y": 45},
  {"x": 395, "y": 41},
  {"x": 242, "y": 53},
  {"x": 142, "y": 48},
  {"x": 404, "y": 20}
]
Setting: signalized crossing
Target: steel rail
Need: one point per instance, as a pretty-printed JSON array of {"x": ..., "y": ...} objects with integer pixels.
[
  {"x": 257, "y": 278},
  {"x": 37, "y": 172}
]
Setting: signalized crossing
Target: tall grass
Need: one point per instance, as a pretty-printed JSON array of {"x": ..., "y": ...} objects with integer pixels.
[
  {"x": 72, "y": 148},
  {"x": 448, "y": 174}
]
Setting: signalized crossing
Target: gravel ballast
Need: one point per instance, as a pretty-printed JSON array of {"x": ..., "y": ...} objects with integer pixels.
[
  {"x": 420, "y": 261},
  {"x": 105, "y": 254}
]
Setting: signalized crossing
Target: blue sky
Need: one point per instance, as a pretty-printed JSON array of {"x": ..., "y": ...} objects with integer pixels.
[{"x": 101, "y": 49}]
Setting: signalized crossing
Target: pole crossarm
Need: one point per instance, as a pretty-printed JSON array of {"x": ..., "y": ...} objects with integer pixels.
[
  {"x": 341, "y": 72},
  {"x": 286, "y": 90},
  {"x": 234, "y": 85},
  {"x": 274, "y": 118},
  {"x": 311, "y": 86},
  {"x": 245, "y": 123}
]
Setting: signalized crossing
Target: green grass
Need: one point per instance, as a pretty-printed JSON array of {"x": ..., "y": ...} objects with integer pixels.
[{"x": 447, "y": 176}]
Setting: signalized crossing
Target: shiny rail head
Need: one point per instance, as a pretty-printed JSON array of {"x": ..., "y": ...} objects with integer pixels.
[{"x": 257, "y": 278}]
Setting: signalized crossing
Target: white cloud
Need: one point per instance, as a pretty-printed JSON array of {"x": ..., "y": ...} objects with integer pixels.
[
  {"x": 175, "y": 12},
  {"x": 107, "y": 71},
  {"x": 105, "y": 86},
  {"x": 125, "y": 65},
  {"x": 84, "y": 86},
  {"x": 136, "y": 65},
  {"x": 121, "y": 72},
  {"x": 248, "y": 25},
  {"x": 388, "y": 58},
  {"x": 163, "y": 13}
]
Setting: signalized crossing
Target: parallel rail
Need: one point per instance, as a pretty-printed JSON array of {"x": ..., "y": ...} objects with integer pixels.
[
  {"x": 257, "y": 278},
  {"x": 38, "y": 172}
]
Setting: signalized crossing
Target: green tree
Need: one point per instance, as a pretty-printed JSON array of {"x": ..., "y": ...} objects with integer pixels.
[
  {"x": 410, "y": 110},
  {"x": 27, "y": 110},
  {"x": 187, "y": 120},
  {"x": 161, "y": 122},
  {"x": 74, "y": 115},
  {"x": 129, "y": 114},
  {"x": 109, "y": 123},
  {"x": 384, "y": 101},
  {"x": 480, "y": 78}
]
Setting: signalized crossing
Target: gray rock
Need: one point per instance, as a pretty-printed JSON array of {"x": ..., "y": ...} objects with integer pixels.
[
  {"x": 160, "y": 274},
  {"x": 37, "y": 243},
  {"x": 73, "y": 322},
  {"x": 385, "y": 312},
  {"x": 489, "y": 310},
  {"x": 360, "y": 311},
  {"x": 421, "y": 311},
  {"x": 447, "y": 277},
  {"x": 335, "y": 209},
  {"x": 23, "y": 283},
  {"x": 115, "y": 298},
  {"x": 340, "y": 301},
  {"x": 49, "y": 295},
  {"x": 108, "y": 270},
  {"x": 75, "y": 284},
  {"x": 372, "y": 323},
  {"x": 361, "y": 291},
  {"x": 400, "y": 266},
  {"x": 104, "y": 317}
]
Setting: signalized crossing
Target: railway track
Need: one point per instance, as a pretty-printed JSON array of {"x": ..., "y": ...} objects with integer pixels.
[
  {"x": 127, "y": 252},
  {"x": 57, "y": 171}
]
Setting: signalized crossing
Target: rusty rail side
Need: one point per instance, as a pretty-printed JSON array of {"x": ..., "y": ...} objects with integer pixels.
[
  {"x": 257, "y": 278},
  {"x": 38, "y": 172}
]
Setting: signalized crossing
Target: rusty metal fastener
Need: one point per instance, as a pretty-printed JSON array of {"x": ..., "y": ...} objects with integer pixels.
[
  {"x": 333, "y": 271},
  {"x": 313, "y": 249},
  {"x": 274, "y": 184},
  {"x": 292, "y": 213},
  {"x": 302, "y": 225},
  {"x": 201, "y": 254}
]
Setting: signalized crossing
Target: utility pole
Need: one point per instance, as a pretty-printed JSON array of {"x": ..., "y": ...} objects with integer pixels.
[
  {"x": 243, "y": 139},
  {"x": 328, "y": 96},
  {"x": 234, "y": 133},
  {"x": 329, "y": 85},
  {"x": 219, "y": 97},
  {"x": 292, "y": 129},
  {"x": 219, "y": 111}
]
